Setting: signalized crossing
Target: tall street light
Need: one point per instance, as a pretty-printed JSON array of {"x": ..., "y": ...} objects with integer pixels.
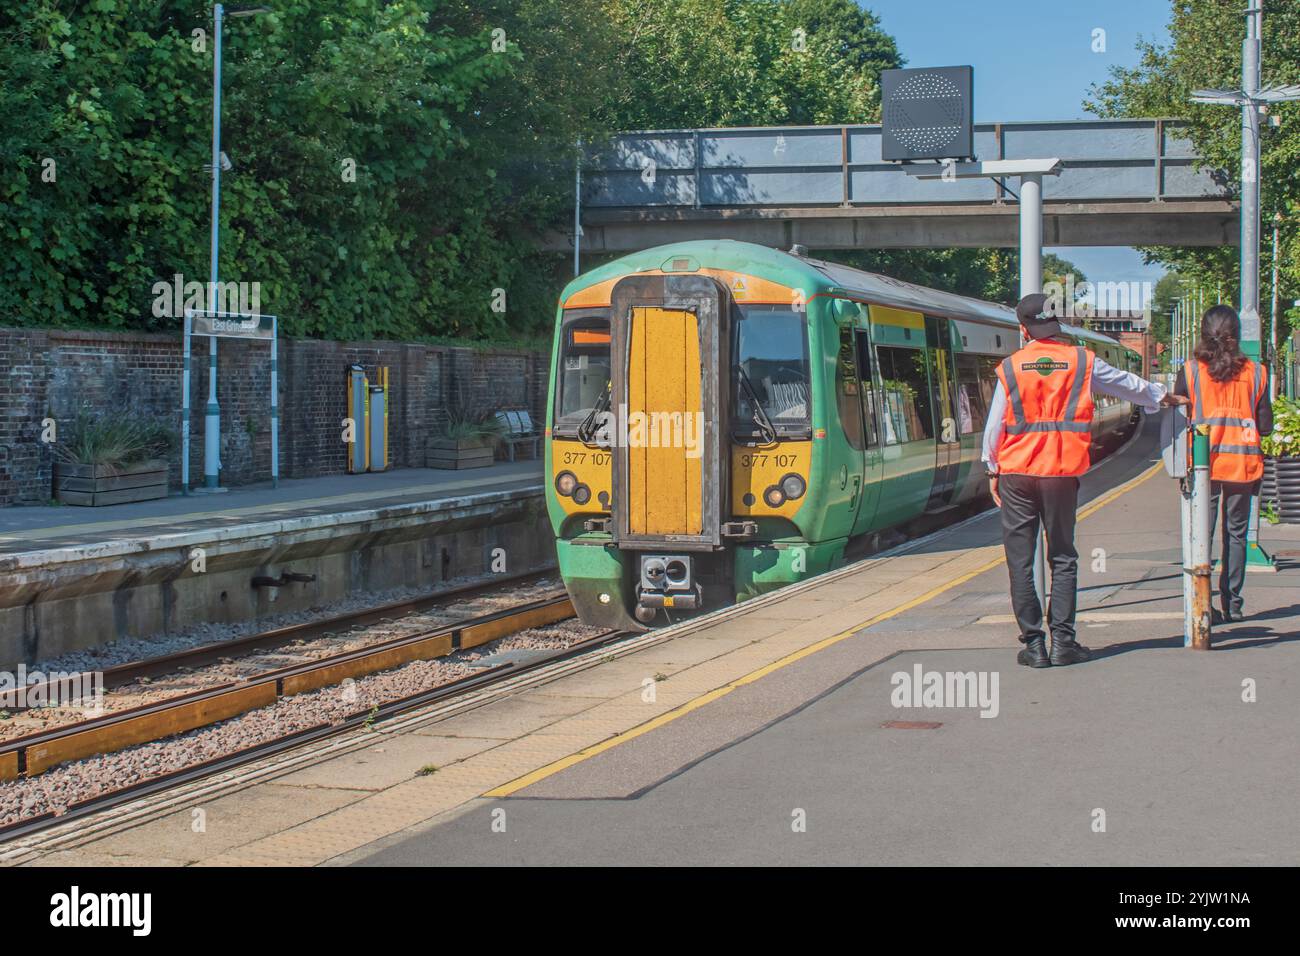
[
  {"x": 1251, "y": 99},
  {"x": 212, "y": 414}
]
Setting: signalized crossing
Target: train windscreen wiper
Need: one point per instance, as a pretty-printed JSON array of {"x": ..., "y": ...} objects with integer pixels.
[
  {"x": 587, "y": 430},
  {"x": 766, "y": 430}
]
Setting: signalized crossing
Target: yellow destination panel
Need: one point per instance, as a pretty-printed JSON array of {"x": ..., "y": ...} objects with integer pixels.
[{"x": 755, "y": 470}]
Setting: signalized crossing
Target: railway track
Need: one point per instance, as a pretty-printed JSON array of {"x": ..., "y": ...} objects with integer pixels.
[
  {"x": 35, "y": 753},
  {"x": 31, "y": 755},
  {"x": 300, "y": 738},
  {"x": 62, "y": 688}
]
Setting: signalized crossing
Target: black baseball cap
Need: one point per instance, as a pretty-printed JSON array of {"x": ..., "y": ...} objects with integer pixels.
[{"x": 1038, "y": 314}]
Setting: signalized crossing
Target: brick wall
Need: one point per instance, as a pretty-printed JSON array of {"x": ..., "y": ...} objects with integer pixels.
[{"x": 53, "y": 373}]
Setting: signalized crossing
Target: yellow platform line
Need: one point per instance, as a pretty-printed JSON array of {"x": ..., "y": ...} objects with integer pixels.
[{"x": 536, "y": 776}]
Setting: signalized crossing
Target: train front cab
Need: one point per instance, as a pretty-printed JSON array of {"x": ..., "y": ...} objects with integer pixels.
[{"x": 694, "y": 494}]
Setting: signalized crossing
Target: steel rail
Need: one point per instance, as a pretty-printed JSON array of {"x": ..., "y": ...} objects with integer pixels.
[
  {"x": 34, "y": 753},
  {"x": 62, "y": 688},
  {"x": 266, "y": 749}
]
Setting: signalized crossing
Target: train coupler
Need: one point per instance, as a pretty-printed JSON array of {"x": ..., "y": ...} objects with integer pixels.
[
  {"x": 739, "y": 529},
  {"x": 666, "y": 582}
]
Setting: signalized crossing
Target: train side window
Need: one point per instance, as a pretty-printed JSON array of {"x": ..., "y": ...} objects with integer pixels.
[
  {"x": 988, "y": 378},
  {"x": 868, "y": 389},
  {"x": 972, "y": 403},
  {"x": 906, "y": 399},
  {"x": 847, "y": 389}
]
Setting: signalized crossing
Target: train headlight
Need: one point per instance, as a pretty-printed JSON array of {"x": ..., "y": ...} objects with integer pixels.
[
  {"x": 773, "y": 496},
  {"x": 565, "y": 483},
  {"x": 581, "y": 495},
  {"x": 793, "y": 486}
]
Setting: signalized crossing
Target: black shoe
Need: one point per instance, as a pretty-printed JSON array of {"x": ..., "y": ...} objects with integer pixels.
[
  {"x": 1068, "y": 652},
  {"x": 1216, "y": 616},
  {"x": 1034, "y": 653},
  {"x": 1235, "y": 615}
]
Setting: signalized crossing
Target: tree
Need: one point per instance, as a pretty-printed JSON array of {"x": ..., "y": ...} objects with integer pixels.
[
  {"x": 1205, "y": 52},
  {"x": 389, "y": 159},
  {"x": 700, "y": 63}
]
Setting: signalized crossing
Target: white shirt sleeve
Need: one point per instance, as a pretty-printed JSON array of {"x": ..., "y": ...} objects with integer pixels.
[
  {"x": 1106, "y": 379},
  {"x": 1109, "y": 380},
  {"x": 994, "y": 427}
]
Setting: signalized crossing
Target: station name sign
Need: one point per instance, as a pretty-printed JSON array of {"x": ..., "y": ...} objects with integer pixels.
[{"x": 232, "y": 325}]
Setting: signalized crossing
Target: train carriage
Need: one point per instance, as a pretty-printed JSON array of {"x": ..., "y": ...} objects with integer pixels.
[{"x": 724, "y": 419}]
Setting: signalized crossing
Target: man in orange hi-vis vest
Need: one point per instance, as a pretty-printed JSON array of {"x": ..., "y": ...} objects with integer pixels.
[
  {"x": 1229, "y": 393},
  {"x": 1035, "y": 448}
]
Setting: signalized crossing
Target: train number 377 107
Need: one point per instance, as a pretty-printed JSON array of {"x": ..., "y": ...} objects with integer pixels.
[{"x": 758, "y": 461}]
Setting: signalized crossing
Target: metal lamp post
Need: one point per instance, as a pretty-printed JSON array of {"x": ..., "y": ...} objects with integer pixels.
[
  {"x": 1029, "y": 173},
  {"x": 1250, "y": 98},
  {"x": 212, "y": 412}
]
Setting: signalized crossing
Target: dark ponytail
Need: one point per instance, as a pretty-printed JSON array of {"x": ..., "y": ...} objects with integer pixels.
[{"x": 1219, "y": 347}]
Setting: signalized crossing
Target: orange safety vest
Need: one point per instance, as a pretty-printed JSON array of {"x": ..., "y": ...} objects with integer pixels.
[
  {"x": 1049, "y": 410},
  {"x": 1229, "y": 409}
]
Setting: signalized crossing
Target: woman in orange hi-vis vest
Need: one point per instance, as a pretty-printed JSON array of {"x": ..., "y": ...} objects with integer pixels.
[{"x": 1229, "y": 393}]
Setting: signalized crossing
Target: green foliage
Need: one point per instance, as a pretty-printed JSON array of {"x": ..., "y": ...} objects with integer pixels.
[
  {"x": 1206, "y": 53},
  {"x": 1284, "y": 442},
  {"x": 989, "y": 274},
  {"x": 1168, "y": 291},
  {"x": 394, "y": 160},
  {"x": 118, "y": 95},
  {"x": 700, "y": 63},
  {"x": 115, "y": 441}
]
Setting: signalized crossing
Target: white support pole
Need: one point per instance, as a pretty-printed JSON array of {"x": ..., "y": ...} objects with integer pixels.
[
  {"x": 1031, "y": 282},
  {"x": 1174, "y": 331},
  {"x": 1250, "y": 174}
]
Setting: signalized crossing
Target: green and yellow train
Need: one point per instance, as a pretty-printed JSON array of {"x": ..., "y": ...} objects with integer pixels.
[{"x": 725, "y": 419}]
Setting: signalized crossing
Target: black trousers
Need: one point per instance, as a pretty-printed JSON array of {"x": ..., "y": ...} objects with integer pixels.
[
  {"x": 1236, "y": 519},
  {"x": 1028, "y": 505}
]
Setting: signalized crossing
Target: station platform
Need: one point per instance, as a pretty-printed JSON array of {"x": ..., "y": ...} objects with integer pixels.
[
  {"x": 51, "y": 527},
  {"x": 777, "y": 732},
  {"x": 75, "y": 578}
]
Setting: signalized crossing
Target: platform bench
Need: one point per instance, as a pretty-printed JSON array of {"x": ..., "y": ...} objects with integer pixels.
[{"x": 518, "y": 430}]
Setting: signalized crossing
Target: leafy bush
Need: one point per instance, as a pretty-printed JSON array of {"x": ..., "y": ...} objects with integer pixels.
[
  {"x": 469, "y": 419},
  {"x": 1285, "y": 440},
  {"x": 115, "y": 441}
]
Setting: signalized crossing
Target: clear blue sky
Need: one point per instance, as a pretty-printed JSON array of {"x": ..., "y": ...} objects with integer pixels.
[{"x": 1033, "y": 60}]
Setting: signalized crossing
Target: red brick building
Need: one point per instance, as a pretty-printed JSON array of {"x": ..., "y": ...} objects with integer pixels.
[{"x": 1132, "y": 329}]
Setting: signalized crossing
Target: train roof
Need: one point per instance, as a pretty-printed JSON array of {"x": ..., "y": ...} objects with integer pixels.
[
  {"x": 790, "y": 269},
  {"x": 895, "y": 293}
]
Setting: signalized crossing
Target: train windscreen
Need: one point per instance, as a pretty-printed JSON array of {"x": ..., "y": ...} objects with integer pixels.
[
  {"x": 584, "y": 371},
  {"x": 771, "y": 397}
]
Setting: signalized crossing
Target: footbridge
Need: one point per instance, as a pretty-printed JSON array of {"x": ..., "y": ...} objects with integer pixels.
[{"x": 1122, "y": 182}]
